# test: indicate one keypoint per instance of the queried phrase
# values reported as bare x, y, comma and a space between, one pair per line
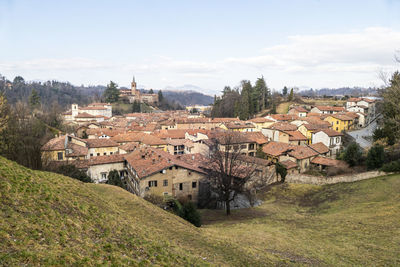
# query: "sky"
207, 43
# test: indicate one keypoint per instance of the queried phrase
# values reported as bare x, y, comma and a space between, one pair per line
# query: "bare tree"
226, 173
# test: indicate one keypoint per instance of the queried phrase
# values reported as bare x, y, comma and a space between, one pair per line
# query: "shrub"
73, 172
281, 170
393, 166
353, 154
155, 199
189, 212
375, 157
114, 179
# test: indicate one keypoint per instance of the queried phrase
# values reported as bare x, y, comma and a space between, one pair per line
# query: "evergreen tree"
160, 96
151, 91
353, 154
291, 95
260, 94
273, 110
391, 110
375, 157
34, 99
136, 106
245, 100
111, 94
284, 91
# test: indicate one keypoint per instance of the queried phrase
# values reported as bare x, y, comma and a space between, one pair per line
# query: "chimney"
192, 157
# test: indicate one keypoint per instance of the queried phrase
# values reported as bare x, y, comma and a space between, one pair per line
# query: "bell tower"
133, 86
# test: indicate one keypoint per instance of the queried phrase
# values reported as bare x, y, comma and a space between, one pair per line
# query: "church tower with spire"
133, 86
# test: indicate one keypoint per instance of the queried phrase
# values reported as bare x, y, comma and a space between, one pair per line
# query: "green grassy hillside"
49, 219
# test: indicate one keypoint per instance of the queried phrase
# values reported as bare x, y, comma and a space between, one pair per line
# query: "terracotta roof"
288, 164
283, 126
131, 146
331, 133
302, 152
105, 131
341, 117
54, 144
77, 150
330, 108
257, 137
260, 120
320, 148
276, 148
328, 161
85, 115
239, 125
315, 127
104, 142
299, 109
106, 159
296, 136
284, 117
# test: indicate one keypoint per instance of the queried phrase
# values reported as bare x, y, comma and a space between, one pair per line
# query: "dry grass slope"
49, 219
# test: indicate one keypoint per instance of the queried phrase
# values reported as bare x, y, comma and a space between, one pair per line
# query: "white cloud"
352, 58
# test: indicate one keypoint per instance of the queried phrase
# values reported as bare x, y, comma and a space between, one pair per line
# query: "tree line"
247, 100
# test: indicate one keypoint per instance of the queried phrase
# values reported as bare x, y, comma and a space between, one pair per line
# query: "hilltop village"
168, 153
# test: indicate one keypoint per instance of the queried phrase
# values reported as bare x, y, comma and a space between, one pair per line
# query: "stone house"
153, 171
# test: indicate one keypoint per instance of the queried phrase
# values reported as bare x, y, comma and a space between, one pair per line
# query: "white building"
93, 112
330, 138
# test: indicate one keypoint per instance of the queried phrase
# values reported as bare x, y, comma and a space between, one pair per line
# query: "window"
243, 146
165, 193
251, 146
105, 153
337, 122
176, 167
181, 186
91, 154
337, 128
111, 153
190, 173
337, 139
194, 184
104, 176
165, 183
153, 183
170, 168
60, 156
98, 154
251, 154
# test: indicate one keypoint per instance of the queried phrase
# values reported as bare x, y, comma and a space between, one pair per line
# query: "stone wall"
320, 180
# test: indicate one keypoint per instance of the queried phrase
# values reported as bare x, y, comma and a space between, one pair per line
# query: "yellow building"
340, 122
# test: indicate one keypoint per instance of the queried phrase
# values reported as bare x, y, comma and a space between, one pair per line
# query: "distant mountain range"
353, 91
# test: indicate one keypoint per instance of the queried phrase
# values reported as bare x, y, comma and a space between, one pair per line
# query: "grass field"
49, 219
283, 107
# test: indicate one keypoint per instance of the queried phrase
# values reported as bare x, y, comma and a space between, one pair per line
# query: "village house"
301, 155
239, 126
152, 171
278, 131
96, 112
261, 122
340, 122
100, 167
327, 109
330, 138
298, 111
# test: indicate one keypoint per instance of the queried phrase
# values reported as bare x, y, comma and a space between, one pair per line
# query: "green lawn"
49, 219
